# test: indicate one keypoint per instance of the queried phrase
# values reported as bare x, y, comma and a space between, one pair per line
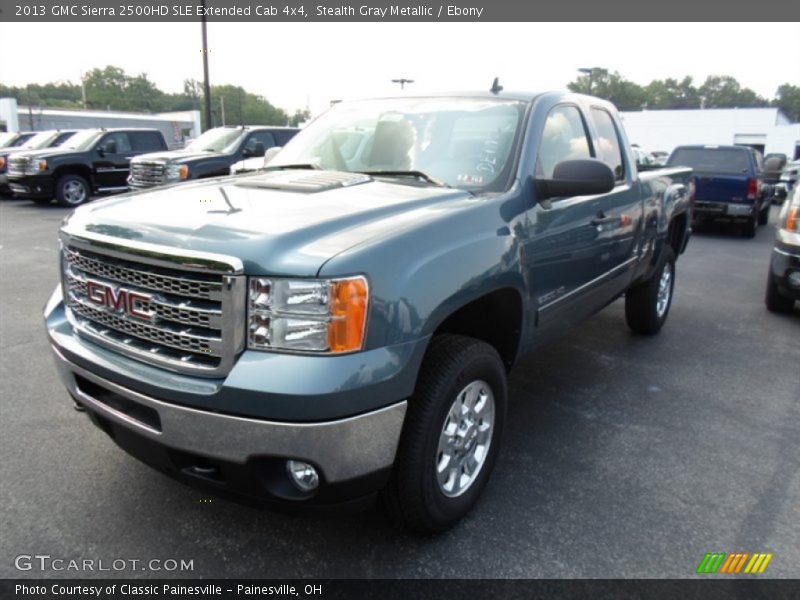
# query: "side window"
263, 137
146, 141
116, 143
609, 150
563, 138
759, 159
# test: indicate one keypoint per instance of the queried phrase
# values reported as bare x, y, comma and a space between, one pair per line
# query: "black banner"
390, 589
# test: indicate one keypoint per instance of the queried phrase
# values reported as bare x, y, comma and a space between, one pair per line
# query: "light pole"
402, 81
206, 84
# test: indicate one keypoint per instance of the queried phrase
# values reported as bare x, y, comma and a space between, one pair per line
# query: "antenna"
496, 87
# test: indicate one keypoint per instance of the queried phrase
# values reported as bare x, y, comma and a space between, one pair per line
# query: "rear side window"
563, 138
711, 160
610, 149
146, 141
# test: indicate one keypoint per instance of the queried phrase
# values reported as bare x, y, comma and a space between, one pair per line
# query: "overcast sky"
295, 64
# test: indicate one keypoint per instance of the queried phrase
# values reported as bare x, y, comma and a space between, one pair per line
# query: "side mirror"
101, 151
257, 150
580, 177
270, 154
780, 191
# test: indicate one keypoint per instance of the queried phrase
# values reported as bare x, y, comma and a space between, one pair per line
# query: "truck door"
619, 216
111, 161
563, 246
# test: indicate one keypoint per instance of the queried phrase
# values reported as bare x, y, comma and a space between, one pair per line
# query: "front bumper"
246, 454
785, 269
32, 186
725, 210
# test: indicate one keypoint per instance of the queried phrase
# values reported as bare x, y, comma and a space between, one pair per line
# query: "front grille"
148, 174
184, 320
17, 166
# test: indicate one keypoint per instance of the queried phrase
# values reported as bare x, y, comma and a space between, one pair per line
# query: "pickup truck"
342, 325
729, 184
43, 139
210, 155
91, 161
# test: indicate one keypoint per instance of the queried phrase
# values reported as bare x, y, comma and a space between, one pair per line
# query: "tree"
626, 95
725, 92
787, 99
299, 117
671, 93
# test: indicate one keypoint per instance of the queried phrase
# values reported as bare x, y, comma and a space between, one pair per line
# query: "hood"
47, 153
276, 227
179, 156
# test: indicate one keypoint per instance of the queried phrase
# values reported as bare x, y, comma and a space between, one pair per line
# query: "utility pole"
83, 90
206, 84
402, 81
222, 108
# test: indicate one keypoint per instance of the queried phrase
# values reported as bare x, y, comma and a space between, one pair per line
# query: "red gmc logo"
119, 300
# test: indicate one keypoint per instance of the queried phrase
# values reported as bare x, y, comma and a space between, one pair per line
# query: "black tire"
749, 228
414, 497
775, 302
643, 311
763, 216
72, 190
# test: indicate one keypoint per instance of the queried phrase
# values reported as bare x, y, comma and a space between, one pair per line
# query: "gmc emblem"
120, 300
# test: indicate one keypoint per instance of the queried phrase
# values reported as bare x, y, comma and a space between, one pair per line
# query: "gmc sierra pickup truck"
91, 161
210, 155
343, 323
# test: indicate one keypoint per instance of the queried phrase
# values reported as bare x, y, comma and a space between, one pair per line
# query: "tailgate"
721, 188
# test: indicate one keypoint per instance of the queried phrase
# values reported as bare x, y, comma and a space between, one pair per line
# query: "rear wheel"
450, 437
763, 216
749, 228
72, 190
775, 302
647, 304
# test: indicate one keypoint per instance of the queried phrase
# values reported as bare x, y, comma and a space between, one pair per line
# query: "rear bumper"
728, 210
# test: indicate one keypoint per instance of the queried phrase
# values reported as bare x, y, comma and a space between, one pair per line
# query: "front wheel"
451, 435
647, 304
72, 190
775, 302
749, 228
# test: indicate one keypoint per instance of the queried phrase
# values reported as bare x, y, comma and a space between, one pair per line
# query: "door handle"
602, 219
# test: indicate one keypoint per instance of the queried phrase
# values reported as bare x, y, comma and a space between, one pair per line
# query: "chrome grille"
147, 174
185, 319
17, 166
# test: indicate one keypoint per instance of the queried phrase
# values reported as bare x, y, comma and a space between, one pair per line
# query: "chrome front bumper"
342, 449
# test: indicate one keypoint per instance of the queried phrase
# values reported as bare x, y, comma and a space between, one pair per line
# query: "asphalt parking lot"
624, 456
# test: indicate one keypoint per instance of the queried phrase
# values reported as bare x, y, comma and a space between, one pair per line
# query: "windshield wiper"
416, 174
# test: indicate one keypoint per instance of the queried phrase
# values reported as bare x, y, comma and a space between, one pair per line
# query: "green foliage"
716, 92
788, 100
110, 88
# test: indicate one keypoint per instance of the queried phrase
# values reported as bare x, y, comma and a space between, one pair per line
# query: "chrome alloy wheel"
74, 192
664, 291
465, 439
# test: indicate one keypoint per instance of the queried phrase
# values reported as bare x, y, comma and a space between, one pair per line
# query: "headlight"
307, 315
177, 172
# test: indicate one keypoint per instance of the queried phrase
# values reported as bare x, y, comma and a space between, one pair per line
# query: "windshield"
711, 160
462, 142
83, 140
5, 138
216, 140
40, 140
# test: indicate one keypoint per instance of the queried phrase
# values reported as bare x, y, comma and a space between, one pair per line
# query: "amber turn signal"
348, 314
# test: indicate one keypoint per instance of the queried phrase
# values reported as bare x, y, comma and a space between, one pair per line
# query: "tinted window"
146, 141
563, 138
759, 161
116, 143
264, 137
24, 137
711, 160
609, 150
284, 136
62, 137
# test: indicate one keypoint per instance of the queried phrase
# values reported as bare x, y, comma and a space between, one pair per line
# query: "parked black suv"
93, 160
210, 155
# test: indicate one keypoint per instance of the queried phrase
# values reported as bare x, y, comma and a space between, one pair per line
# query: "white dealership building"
766, 129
